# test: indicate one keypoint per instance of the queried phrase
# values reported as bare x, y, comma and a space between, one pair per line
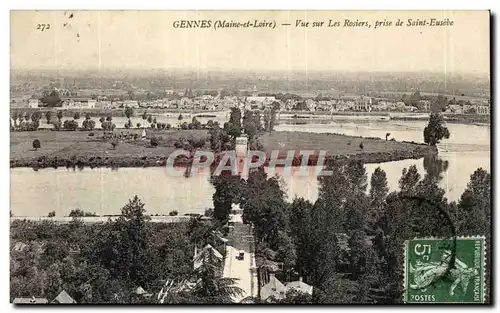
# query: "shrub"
88, 124
209, 212
154, 141
76, 213
70, 125
36, 144
52, 214
173, 213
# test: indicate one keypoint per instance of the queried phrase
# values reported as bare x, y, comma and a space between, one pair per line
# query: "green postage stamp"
444, 270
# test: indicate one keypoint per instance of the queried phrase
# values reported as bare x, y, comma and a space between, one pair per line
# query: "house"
79, 102
141, 292
31, 300
363, 104
299, 286
424, 105
91, 103
131, 104
104, 104
19, 246
455, 108
273, 289
260, 100
311, 105
483, 109
33, 103
63, 298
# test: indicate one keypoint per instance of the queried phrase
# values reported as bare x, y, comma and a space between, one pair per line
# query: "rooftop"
32, 300
64, 298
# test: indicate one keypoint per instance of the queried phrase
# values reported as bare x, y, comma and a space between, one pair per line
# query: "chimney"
300, 278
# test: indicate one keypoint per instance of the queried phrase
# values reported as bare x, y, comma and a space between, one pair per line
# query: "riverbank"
76, 149
99, 219
449, 118
118, 112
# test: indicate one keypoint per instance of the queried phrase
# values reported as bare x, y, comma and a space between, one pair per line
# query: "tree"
179, 118
51, 99
233, 127
210, 286
228, 190
473, 215
70, 124
154, 142
267, 118
114, 142
144, 115
76, 116
88, 123
435, 130
129, 112
48, 116
474, 208
249, 124
59, 115
57, 125
378, 193
134, 234
409, 179
387, 136
36, 144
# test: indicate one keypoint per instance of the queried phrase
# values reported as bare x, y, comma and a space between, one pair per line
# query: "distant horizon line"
194, 70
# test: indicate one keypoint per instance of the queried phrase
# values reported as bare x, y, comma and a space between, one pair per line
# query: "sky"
108, 40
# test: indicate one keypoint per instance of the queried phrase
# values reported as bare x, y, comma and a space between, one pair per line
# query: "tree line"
348, 243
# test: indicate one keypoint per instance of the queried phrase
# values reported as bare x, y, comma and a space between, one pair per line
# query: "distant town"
252, 99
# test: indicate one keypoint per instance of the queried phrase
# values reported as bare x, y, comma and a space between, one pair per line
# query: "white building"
300, 286
483, 109
131, 104
91, 103
274, 288
33, 103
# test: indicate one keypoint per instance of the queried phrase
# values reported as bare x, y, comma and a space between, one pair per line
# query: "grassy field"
70, 144
333, 144
65, 144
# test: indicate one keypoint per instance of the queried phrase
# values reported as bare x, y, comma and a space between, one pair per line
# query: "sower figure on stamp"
427, 273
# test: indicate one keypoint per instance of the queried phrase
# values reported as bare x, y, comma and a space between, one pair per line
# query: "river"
105, 191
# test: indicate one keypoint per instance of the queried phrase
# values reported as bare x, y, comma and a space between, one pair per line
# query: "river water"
105, 191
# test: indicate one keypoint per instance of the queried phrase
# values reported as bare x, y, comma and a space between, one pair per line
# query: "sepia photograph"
250, 157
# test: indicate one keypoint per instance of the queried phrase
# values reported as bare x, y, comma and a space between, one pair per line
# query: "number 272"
42, 27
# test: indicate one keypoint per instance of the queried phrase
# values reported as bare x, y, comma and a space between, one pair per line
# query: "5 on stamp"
444, 270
